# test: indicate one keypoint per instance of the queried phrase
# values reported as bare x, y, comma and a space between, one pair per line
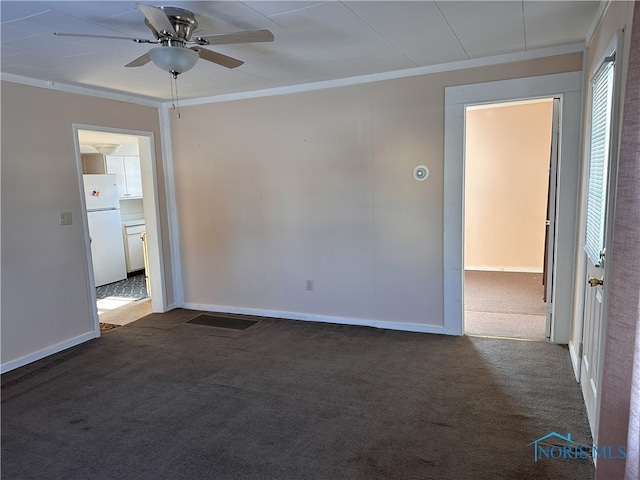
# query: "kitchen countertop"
131, 222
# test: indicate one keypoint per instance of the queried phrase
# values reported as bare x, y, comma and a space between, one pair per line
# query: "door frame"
567, 87
148, 170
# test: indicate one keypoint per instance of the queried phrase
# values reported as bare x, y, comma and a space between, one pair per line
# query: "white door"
593, 343
600, 188
550, 243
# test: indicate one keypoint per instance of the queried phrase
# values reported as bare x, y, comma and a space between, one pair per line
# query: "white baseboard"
171, 306
45, 352
491, 268
307, 317
408, 327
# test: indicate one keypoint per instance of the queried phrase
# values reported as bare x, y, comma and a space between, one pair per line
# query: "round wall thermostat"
421, 173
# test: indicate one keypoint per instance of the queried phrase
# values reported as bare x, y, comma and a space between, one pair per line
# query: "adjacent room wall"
45, 296
272, 192
506, 184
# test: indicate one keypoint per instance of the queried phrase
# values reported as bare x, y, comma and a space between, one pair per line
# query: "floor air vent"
223, 322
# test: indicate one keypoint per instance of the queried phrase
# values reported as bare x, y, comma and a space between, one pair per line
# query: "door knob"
594, 282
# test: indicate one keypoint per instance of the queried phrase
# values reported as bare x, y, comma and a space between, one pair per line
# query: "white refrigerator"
105, 228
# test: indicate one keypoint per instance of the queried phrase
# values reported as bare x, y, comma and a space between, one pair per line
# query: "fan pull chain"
175, 82
175, 105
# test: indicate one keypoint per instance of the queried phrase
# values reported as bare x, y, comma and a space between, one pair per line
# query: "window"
601, 103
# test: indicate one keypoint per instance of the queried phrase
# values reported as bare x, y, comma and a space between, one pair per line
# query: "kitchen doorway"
508, 173
118, 180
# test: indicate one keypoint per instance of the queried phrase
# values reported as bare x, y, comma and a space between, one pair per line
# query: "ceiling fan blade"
218, 58
158, 19
249, 36
138, 62
82, 35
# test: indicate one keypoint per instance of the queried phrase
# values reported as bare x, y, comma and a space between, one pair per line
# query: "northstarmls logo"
555, 446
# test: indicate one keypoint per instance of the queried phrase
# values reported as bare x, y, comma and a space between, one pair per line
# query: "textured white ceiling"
314, 41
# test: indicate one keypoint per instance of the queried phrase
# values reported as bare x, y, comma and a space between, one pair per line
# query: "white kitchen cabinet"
128, 175
133, 176
134, 247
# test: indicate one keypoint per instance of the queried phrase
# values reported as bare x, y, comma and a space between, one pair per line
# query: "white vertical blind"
601, 101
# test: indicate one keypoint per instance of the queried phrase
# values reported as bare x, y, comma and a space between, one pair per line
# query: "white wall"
318, 185
506, 183
275, 191
45, 296
260, 212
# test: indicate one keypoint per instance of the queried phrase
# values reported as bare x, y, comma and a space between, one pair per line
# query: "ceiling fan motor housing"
184, 23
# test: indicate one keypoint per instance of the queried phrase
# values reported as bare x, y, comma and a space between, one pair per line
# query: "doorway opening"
567, 87
509, 201
117, 204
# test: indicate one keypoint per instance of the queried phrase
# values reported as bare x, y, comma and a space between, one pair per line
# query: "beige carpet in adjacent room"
504, 304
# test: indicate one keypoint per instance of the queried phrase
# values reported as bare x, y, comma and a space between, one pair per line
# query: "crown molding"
376, 77
307, 87
91, 92
597, 19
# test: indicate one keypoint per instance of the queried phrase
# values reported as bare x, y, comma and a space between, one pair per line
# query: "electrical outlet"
310, 285
66, 218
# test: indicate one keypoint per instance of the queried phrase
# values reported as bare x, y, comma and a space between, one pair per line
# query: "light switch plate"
66, 218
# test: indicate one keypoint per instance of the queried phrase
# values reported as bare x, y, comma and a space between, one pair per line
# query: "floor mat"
223, 322
107, 326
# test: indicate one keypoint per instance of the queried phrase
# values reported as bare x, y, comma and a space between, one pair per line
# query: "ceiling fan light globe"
173, 59
107, 148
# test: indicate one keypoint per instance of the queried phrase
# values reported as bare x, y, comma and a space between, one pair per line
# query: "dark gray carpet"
161, 398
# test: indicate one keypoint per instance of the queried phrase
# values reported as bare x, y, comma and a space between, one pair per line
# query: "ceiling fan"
178, 52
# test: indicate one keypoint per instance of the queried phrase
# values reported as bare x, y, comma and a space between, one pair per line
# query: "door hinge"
580, 350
